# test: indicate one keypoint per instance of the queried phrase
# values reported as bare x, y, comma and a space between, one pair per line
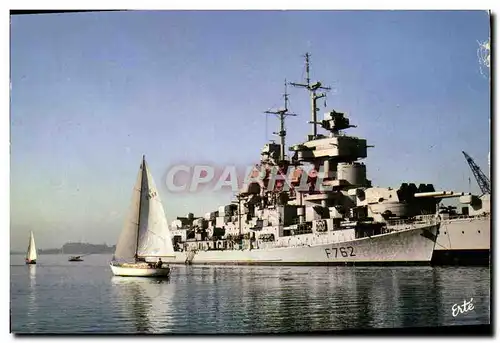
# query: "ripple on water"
65, 298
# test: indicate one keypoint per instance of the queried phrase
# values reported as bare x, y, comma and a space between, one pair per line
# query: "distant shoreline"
75, 249
58, 253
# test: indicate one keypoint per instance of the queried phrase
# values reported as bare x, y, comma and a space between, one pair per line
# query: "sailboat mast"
143, 167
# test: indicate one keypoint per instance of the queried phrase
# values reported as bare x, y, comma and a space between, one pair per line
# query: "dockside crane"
482, 180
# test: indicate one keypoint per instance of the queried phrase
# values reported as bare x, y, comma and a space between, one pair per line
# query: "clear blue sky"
92, 92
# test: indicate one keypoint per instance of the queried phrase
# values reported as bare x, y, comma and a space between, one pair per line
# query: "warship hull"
463, 241
406, 247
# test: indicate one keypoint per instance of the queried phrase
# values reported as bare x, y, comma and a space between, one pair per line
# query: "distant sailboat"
145, 238
31, 253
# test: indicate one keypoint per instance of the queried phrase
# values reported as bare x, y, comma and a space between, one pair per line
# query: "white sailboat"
31, 253
145, 238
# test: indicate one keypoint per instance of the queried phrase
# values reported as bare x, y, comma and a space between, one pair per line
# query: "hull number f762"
339, 252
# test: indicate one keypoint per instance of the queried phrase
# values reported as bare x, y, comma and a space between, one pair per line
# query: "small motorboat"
75, 259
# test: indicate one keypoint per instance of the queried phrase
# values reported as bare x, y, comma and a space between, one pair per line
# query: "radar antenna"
312, 88
282, 114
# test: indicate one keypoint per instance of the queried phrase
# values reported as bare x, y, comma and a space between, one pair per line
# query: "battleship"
327, 215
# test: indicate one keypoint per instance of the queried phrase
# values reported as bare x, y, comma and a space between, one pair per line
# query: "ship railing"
418, 220
461, 216
427, 218
399, 222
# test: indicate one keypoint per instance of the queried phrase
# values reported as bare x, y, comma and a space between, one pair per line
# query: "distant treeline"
77, 248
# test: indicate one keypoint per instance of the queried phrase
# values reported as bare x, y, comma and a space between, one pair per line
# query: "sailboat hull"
139, 270
31, 262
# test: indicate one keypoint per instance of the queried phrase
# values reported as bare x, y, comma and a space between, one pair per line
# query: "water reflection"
459, 284
32, 310
147, 302
251, 300
59, 298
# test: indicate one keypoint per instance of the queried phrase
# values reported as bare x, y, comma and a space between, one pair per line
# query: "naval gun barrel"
441, 194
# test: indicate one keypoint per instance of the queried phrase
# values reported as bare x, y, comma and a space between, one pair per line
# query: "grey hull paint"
464, 234
406, 247
464, 241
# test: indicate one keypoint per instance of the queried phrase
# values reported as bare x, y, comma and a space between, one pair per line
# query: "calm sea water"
56, 296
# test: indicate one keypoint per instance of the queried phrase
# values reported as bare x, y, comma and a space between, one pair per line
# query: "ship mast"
282, 114
312, 88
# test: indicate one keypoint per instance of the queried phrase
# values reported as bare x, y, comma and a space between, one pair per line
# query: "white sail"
127, 242
154, 234
31, 253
